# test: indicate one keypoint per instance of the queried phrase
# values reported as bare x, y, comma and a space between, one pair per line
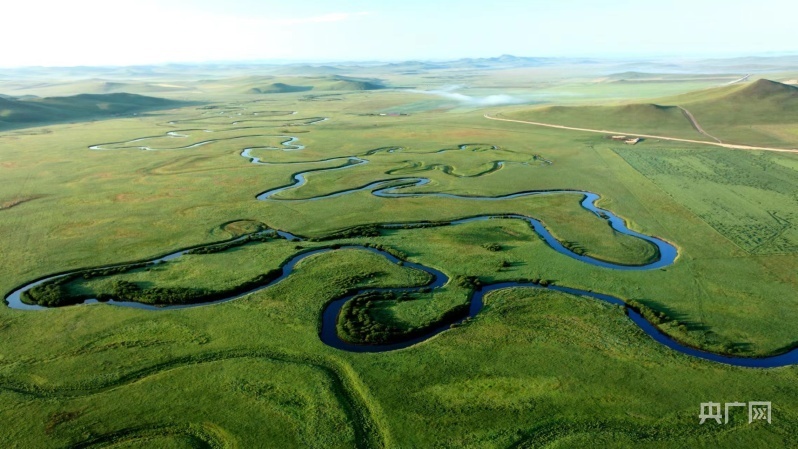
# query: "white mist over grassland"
450, 92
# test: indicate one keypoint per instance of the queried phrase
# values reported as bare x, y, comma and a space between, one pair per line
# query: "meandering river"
396, 188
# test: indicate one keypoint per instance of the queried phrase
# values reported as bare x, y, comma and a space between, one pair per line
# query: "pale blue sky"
127, 32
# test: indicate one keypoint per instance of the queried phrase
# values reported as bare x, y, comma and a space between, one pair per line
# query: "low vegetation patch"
55, 293
356, 323
494, 247
357, 231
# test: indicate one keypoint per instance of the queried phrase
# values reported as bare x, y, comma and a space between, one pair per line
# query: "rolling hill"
631, 118
61, 88
762, 101
762, 112
278, 88
320, 83
353, 84
308, 69
20, 113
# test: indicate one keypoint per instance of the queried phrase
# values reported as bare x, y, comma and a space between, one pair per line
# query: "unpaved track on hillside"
745, 78
695, 124
674, 139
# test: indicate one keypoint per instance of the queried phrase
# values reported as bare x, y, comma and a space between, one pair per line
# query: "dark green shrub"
469, 282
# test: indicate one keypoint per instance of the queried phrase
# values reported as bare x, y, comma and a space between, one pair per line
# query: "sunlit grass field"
533, 369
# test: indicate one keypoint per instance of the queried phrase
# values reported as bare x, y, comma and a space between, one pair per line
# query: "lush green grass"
534, 368
600, 92
747, 113
554, 387
763, 112
747, 197
106, 196
633, 118
229, 269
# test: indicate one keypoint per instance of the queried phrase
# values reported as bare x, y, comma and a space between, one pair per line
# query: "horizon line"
321, 61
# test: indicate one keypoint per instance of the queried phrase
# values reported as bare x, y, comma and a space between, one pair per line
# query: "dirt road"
648, 136
695, 124
745, 78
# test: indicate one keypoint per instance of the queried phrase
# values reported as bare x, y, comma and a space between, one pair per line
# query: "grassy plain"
533, 369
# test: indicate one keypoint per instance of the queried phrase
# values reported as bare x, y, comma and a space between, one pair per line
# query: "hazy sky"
126, 32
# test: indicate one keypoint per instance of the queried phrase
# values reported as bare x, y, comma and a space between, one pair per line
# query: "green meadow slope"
305, 83
760, 113
763, 112
349, 84
19, 113
278, 88
50, 87
629, 118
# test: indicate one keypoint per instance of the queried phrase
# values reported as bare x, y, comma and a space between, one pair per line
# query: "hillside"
351, 84
61, 88
763, 112
647, 77
763, 92
278, 88
630, 118
307, 69
317, 83
19, 113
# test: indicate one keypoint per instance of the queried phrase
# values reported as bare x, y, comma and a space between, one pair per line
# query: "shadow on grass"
671, 315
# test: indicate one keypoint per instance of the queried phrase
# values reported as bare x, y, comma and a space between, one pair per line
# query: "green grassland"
20, 113
749, 199
533, 369
762, 112
633, 118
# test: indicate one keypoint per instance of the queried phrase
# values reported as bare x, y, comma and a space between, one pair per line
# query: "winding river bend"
393, 188
329, 335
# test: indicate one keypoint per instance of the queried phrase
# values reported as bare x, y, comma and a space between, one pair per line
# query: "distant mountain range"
217, 70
